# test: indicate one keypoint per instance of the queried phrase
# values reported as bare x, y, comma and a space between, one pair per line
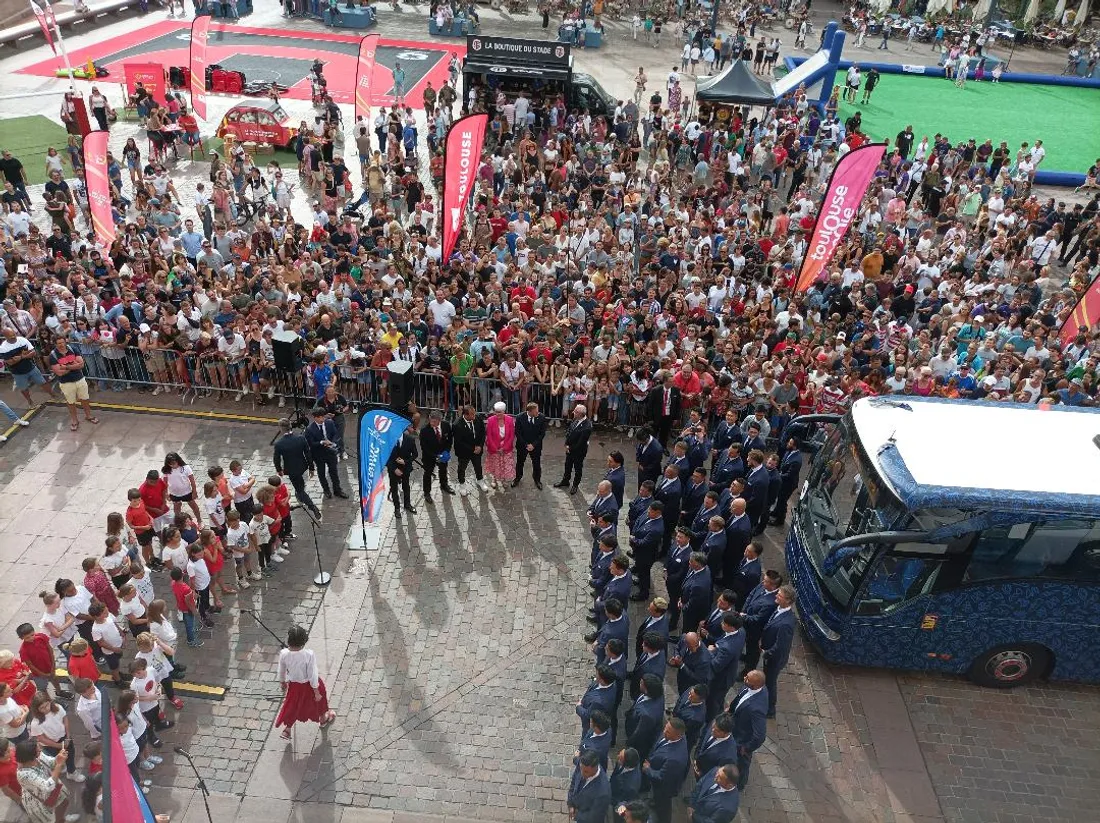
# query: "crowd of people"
635, 271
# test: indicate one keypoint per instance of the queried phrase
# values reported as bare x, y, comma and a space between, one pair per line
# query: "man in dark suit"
399, 466
757, 609
640, 504
750, 724
530, 432
726, 432
711, 629
691, 660
753, 441
646, 714
691, 708
645, 539
665, 769
717, 747
698, 446
469, 443
607, 546
576, 449
598, 697
663, 407
603, 502
668, 492
649, 454
725, 658
589, 795
617, 588
700, 524
294, 458
679, 459
616, 476
758, 481
652, 660
597, 739
748, 573
436, 439
716, 798
790, 467
626, 778
614, 657
775, 642
730, 466
676, 569
692, 495
656, 622
738, 536
322, 437
614, 622
714, 547
695, 593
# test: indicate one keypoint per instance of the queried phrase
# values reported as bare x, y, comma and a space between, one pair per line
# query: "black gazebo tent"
735, 85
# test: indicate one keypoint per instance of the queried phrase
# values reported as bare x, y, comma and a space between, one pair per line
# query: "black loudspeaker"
287, 347
401, 383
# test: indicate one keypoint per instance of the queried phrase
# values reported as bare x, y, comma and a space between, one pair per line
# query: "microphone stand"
202, 783
322, 578
263, 625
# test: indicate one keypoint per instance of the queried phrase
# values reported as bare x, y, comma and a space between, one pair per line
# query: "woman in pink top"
500, 447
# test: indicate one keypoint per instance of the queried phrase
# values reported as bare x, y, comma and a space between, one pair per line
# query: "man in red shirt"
523, 294
498, 224
687, 381
37, 653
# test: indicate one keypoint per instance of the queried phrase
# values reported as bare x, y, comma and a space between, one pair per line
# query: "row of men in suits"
676, 744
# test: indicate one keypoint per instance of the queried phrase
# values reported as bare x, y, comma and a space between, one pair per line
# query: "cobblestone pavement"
453, 656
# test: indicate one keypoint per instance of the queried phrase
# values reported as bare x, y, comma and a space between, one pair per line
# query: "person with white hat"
500, 447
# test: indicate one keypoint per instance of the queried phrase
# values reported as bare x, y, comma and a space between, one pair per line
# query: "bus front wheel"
1004, 667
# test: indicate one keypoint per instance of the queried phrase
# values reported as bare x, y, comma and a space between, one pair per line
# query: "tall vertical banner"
122, 800
99, 186
847, 185
462, 155
1084, 316
379, 432
364, 74
46, 21
200, 33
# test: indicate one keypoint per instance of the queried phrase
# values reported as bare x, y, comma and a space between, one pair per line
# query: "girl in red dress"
305, 699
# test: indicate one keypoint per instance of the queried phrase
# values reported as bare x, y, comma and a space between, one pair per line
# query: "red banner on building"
46, 21
99, 186
462, 156
1084, 316
364, 74
200, 32
151, 77
848, 184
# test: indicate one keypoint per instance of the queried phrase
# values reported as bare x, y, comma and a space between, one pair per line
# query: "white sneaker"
147, 765
22, 422
77, 777
240, 395
278, 558
481, 484
157, 391
155, 759
255, 576
462, 488
3, 438
282, 402
73, 818
283, 552
244, 584
270, 392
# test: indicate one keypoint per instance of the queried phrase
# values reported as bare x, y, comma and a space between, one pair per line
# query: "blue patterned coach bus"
952, 536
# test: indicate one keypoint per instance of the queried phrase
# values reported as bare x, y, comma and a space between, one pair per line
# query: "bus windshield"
844, 497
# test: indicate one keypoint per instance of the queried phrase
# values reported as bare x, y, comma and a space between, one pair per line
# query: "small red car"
263, 121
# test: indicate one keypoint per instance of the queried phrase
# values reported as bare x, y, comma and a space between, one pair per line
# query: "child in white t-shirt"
215, 511
143, 582
237, 541
131, 609
260, 530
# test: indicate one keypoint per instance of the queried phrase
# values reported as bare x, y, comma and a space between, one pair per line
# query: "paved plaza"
453, 657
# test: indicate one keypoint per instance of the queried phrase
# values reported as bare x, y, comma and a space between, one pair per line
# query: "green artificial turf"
27, 138
1066, 119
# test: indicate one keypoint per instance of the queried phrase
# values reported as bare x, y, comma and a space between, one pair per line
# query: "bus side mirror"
869, 607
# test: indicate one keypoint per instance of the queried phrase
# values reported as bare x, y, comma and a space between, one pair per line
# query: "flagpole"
61, 44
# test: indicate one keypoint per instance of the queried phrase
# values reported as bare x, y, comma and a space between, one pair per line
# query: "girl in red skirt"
305, 699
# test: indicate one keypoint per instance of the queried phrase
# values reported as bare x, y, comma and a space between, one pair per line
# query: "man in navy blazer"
530, 433
589, 795
676, 569
656, 622
640, 504
725, 658
692, 661
667, 491
716, 797
646, 535
700, 524
603, 503
598, 697
626, 778
790, 467
603, 526
652, 660
729, 467
649, 454
717, 747
665, 769
616, 623
775, 641
615, 658
726, 432
757, 609
646, 714
617, 588
616, 476
693, 491
758, 481
711, 629
748, 573
714, 546
608, 547
752, 441
696, 592
738, 535
750, 724
597, 739
698, 446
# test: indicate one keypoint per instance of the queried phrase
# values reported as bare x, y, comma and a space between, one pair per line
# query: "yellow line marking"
14, 427
192, 689
245, 418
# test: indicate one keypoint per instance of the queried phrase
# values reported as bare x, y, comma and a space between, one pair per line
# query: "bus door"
893, 618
